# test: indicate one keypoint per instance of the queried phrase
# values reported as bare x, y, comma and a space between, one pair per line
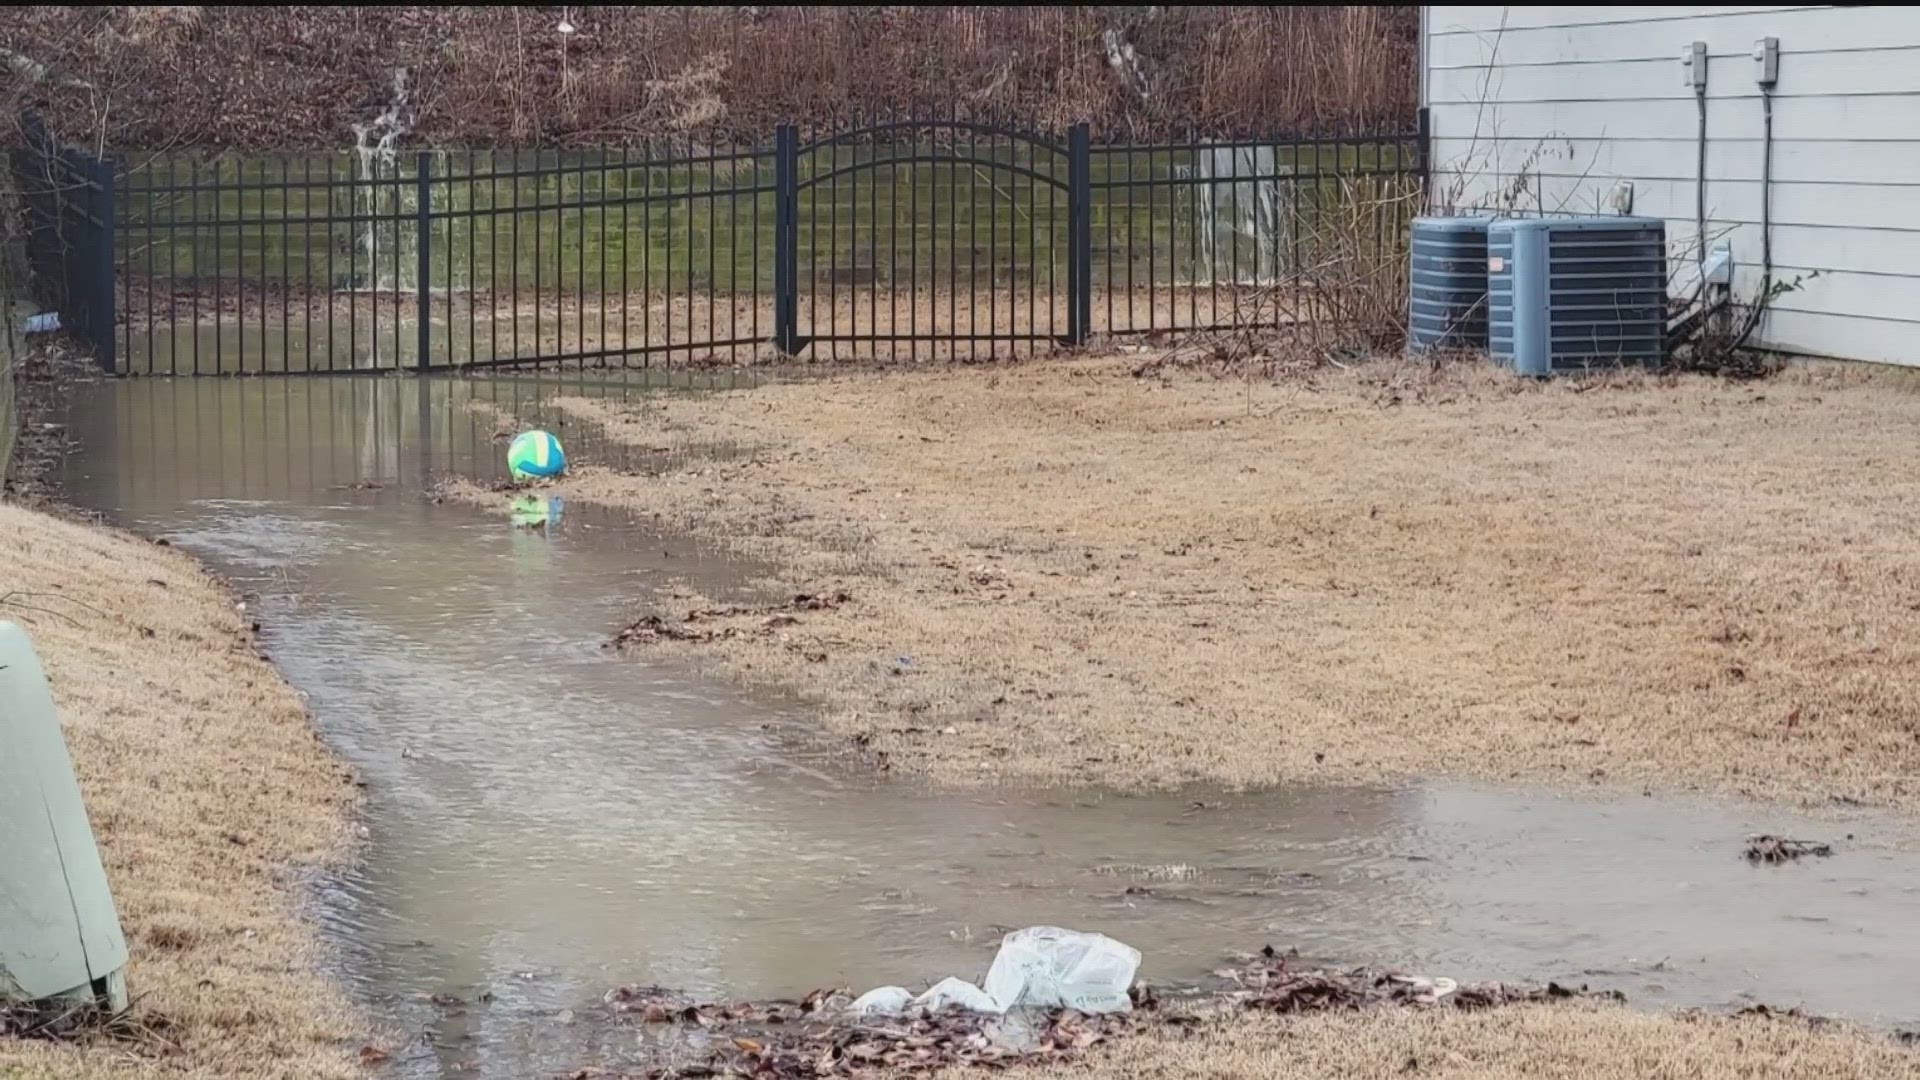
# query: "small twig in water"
1766, 848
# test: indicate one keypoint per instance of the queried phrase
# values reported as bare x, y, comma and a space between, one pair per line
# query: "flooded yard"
546, 820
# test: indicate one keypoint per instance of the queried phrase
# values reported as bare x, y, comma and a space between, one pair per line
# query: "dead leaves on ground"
659, 1005
817, 1038
1277, 982
930, 1042
82, 1021
703, 625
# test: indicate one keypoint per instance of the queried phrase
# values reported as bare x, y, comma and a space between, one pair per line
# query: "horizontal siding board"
1858, 206
1878, 117
1892, 71
1795, 161
1869, 296
1817, 333
1453, 42
1862, 251
1516, 17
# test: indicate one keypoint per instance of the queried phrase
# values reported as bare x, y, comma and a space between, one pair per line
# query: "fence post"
423, 245
786, 239
102, 325
1079, 234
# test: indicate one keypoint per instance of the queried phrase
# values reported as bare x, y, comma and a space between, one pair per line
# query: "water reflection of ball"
535, 453
537, 511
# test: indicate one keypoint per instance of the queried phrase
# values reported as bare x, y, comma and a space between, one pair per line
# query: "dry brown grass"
1339, 576
210, 795
1522, 1042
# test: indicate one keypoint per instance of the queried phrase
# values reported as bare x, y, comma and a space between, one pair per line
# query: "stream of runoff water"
546, 820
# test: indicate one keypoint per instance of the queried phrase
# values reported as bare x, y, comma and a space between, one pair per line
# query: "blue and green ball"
535, 455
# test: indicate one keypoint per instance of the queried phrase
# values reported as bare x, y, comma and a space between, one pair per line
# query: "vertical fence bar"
453, 259
646, 254
306, 260
873, 244
953, 240
219, 260
691, 198
893, 246
399, 201
102, 321
713, 247
149, 218
423, 261
261, 186
286, 270
539, 263
667, 208
913, 232
833, 242
1079, 233
1153, 242
580, 264
334, 283
813, 247
973, 238
753, 297
786, 239
472, 187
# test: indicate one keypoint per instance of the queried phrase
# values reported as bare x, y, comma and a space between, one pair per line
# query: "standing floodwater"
546, 820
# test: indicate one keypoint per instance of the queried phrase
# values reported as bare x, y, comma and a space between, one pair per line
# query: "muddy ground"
1102, 572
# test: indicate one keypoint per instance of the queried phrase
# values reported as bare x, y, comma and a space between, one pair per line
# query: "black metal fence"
894, 240
67, 196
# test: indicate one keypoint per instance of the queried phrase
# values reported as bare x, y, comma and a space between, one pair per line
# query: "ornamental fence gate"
905, 239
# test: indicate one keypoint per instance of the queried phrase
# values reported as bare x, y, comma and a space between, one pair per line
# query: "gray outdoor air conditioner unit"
1576, 293
1447, 281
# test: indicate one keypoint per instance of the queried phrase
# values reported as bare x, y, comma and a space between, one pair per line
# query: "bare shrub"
1347, 296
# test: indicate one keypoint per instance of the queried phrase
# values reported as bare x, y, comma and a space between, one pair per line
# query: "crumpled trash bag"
1426, 991
1041, 967
948, 993
952, 993
882, 1001
1048, 968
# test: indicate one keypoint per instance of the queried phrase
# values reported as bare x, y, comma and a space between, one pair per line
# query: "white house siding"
1548, 108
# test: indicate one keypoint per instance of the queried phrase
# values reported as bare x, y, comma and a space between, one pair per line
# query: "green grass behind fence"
596, 222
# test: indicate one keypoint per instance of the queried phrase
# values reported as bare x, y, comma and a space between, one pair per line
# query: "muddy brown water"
546, 821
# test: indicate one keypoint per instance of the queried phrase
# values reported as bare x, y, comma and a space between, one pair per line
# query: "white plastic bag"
1041, 967
882, 1001
952, 993
1046, 967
